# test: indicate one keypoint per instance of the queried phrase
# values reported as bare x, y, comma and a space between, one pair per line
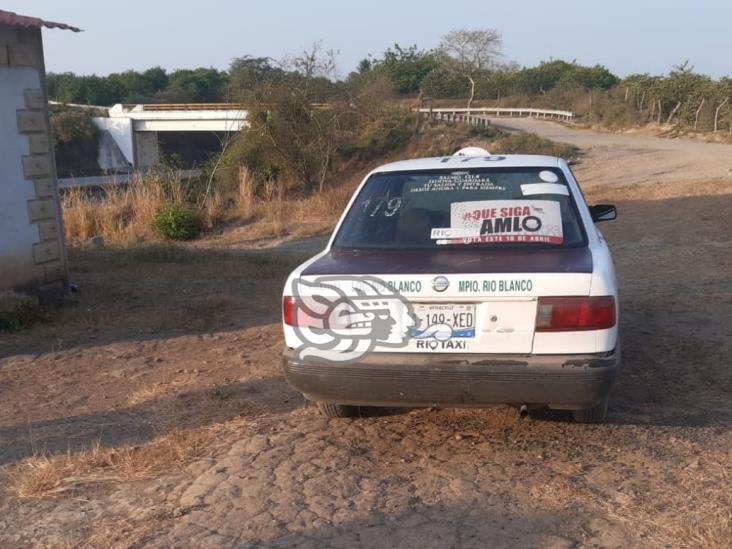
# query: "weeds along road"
155, 413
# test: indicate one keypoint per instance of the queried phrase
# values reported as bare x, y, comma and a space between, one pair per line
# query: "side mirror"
603, 212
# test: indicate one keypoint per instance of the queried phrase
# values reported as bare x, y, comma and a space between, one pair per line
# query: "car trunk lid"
482, 301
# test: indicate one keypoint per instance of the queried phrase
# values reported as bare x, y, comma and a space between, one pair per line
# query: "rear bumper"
457, 380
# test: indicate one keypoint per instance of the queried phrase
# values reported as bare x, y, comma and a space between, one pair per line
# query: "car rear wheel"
330, 409
596, 414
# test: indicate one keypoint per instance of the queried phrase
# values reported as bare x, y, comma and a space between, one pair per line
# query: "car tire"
596, 414
329, 409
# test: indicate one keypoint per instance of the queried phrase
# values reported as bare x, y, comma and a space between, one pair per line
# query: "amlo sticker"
502, 221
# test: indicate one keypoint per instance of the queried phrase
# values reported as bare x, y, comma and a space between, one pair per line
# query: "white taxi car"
468, 280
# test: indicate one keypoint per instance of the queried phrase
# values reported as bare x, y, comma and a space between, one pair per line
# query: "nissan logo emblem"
440, 283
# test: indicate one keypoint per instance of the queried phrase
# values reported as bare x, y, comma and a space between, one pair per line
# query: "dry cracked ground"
154, 412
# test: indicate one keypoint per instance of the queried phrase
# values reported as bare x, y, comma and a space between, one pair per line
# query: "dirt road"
622, 159
155, 412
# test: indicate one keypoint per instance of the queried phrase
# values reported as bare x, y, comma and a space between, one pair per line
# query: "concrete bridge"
130, 133
129, 136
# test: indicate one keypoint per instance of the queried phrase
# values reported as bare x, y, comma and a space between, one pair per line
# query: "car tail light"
288, 310
571, 314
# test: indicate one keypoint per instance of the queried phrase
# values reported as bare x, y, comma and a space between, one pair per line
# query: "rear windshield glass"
463, 208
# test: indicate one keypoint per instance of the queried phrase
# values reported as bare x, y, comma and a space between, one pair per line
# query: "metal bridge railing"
479, 116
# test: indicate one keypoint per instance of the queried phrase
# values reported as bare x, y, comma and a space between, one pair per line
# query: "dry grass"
284, 211
687, 516
124, 215
299, 216
677, 519
147, 393
44, 476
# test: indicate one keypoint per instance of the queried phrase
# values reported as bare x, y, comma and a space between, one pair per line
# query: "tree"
64, 87
590, 78
641, 87
314, 73
363, 74
314, 63
469, 53
135, 87
406, 67
444, 83
722, 95
202, 84
680, 87
292, 135
246, 73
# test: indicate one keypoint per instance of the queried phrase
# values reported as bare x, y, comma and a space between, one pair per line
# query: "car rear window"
494, 207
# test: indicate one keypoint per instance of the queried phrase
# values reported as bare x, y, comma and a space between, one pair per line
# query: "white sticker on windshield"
456, 181
451, 232
544, 188
547, 176
503, 221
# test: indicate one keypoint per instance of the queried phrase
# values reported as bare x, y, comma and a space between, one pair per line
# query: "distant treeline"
682, 97
153, 85
410, 70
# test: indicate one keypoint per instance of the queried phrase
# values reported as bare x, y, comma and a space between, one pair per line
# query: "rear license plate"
457, 318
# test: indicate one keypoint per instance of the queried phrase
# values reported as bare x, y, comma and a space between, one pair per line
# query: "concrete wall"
121, 130
146, 150
32, 253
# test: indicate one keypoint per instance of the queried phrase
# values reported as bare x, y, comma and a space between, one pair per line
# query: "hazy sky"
625, 35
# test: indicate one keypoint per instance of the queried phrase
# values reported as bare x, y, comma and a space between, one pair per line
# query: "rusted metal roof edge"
10, 18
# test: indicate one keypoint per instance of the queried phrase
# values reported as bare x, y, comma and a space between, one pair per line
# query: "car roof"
452, 162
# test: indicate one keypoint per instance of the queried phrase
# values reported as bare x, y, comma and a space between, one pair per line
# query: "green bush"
441, 83
18, 311
406, 67
176, 223
384, 135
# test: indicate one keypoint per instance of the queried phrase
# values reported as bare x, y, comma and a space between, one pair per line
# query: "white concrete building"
32, 253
